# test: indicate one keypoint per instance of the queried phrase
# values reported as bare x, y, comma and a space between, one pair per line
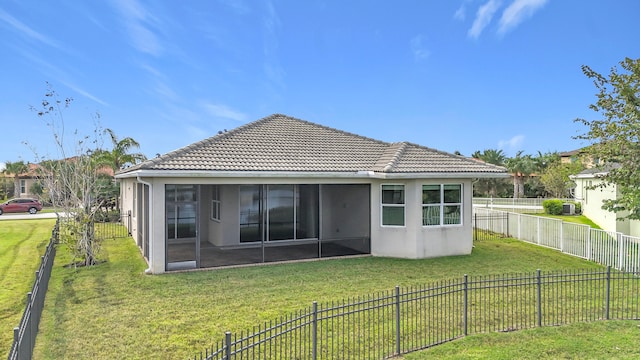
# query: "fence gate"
485, 226
114, 228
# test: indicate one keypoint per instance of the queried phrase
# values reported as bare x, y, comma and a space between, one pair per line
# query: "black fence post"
227, 345
608, 294
475, 227
314, 332
397, 297
466, 305
539, 297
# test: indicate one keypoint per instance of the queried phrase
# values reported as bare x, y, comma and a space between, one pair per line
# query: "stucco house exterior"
591, 197
282, 188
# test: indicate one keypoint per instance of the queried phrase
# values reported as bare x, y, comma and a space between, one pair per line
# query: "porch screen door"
182, 240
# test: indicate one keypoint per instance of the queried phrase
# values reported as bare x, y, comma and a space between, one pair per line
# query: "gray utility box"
568, 209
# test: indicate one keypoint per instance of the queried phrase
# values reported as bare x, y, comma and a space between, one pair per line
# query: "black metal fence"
483, 222
114, 227
409, 319
24, 335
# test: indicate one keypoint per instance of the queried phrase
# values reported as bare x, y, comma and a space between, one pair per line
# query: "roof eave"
307, 174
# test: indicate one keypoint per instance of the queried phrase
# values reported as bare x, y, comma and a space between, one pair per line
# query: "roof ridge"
330, 128
401, 147
461, 157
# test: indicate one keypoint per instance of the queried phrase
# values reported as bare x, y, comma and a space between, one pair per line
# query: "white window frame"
216, 204
442, 204
402, 205
23, 186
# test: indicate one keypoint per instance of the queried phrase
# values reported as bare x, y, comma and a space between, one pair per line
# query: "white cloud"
26, 30
223, 111
419, 50
460, 14
483, 17
138, 21
2, 166
84, 93
512, 144
518, 11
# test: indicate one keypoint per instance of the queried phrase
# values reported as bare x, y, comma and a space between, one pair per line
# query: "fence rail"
409, 319
622, 252
528, 205
24, 335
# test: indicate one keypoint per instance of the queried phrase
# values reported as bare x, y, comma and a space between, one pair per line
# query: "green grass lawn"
598, 340
577, 219
114, 310
21, 245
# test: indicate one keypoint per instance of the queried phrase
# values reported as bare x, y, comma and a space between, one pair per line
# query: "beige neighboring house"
281, 188
568, 157
592, 199
26, 180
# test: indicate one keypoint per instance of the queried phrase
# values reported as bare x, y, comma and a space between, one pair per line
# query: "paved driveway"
26, 216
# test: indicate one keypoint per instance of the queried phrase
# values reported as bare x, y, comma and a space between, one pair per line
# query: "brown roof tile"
283, 143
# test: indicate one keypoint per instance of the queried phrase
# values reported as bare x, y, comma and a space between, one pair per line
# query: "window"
215, 203
393, 205
23, 186
441, 204
278, 212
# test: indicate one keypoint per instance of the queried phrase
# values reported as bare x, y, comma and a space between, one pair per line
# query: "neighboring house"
568, 157
592, 199
281, 188
25, 181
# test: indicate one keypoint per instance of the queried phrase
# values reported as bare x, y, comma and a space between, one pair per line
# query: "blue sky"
459, 75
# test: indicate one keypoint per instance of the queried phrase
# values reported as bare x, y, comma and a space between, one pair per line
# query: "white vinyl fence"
605, 247
527, 205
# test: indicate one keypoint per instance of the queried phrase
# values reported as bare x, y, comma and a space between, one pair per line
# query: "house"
281, 188
25, 182
591, 194
568, 157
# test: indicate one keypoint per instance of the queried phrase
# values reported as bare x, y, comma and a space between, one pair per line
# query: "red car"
31, 206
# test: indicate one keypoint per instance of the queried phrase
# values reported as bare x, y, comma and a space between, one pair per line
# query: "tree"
116, 159
16, 169
533, 186
615, 137
120, 155
520, 166
556, 179
72, 180
543, 161
490, 187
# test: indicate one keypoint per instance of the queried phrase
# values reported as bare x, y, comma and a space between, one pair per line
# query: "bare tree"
72, 179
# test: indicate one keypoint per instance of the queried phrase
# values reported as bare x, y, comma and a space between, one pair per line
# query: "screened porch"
227, 225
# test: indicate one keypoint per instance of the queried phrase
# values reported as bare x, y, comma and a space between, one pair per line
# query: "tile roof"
282, 143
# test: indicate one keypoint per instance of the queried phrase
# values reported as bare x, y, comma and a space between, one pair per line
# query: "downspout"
147, 270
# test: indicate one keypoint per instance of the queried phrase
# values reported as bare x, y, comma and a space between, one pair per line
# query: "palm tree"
521, 166
490, 187
120, 155
16, 169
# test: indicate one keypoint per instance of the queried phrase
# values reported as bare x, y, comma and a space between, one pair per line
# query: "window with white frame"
215, 202
393, 205
23, 186
441, 204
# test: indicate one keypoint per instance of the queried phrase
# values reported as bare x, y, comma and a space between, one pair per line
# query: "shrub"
578, 207
552, 206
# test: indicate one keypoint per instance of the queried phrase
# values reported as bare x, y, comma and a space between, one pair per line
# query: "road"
26, 216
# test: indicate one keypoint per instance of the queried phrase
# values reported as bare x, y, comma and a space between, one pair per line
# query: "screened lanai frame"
286, 225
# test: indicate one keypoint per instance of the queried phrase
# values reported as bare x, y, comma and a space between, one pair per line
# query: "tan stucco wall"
411, 241
415, 241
